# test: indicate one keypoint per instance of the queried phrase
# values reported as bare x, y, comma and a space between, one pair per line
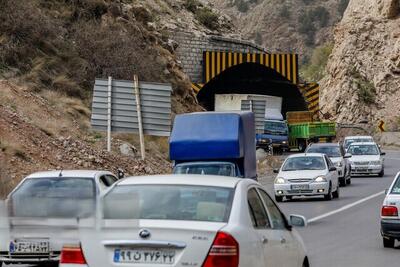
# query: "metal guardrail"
155, 102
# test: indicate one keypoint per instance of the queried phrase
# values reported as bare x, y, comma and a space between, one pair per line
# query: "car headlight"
377, 162
320, 179
284, 142
339, 164
279, 180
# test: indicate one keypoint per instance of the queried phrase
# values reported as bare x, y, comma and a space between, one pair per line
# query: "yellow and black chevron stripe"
215, 62
310, 92
196, 87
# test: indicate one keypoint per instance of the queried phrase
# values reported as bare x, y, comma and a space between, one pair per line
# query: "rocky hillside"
363, 80
288, 25
50, 53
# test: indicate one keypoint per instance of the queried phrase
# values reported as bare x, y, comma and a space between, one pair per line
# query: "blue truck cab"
214, 143
275, 131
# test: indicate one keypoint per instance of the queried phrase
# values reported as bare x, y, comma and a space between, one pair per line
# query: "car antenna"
60, 175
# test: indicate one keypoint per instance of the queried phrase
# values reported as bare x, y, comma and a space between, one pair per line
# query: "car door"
333, 175
289, 250
269, 240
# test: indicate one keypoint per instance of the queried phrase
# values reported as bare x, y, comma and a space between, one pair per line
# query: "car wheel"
301, 146
336, 193
388, 242
305, 263
329, 195
342, 182
382, 173
278, 198
348, 181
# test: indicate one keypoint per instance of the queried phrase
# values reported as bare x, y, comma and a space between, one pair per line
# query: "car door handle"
264, 240
283, 240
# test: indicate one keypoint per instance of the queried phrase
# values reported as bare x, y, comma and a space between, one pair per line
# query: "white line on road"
344, 207
392, 158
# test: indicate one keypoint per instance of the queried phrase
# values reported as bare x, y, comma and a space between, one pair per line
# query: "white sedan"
307, 174
367, 159
189, 220
390, 219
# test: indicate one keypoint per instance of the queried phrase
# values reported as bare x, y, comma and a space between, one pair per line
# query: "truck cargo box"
312, 129
299, 117
207, 136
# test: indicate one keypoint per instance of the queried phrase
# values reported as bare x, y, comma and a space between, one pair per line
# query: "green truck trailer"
304, 130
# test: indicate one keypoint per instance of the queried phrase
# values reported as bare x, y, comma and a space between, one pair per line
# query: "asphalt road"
351, 236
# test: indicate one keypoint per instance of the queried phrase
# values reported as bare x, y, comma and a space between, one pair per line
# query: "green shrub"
207, 17
307, 28
314, 70
365, 89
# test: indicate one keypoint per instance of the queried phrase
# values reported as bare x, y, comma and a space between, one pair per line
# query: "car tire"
336, 194
329, 196
382, 173
278, 198
348, 181
306, 263
342, 182
388, 242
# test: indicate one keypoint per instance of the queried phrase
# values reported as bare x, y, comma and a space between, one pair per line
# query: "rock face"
363, 80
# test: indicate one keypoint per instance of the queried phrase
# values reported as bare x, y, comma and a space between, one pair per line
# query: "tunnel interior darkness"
252, 78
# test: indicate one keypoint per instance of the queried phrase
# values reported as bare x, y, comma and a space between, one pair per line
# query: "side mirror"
297, 220
347, 156
276, 170
332, 169
386, 191
120, 174
383, 153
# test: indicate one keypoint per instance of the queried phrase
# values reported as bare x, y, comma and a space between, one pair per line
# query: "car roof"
358, 137
362, 143
183, 179
68, 173
306, 155
325, 144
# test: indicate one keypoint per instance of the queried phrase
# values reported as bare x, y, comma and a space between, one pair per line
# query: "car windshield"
363, 150
330, 151
169, 202
54, 198
348, 142
304, 163
275, 127
396, 187
224, 169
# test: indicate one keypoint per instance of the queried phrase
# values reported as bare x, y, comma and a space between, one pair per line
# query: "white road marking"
393, 158
345, 207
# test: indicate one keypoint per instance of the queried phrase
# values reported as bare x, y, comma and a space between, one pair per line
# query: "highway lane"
350, 237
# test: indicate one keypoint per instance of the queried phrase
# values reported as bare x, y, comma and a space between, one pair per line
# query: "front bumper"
313, 189
366, 170
390, 228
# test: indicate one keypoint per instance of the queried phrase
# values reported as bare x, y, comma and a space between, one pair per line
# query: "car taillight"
224, 252
72, 255
389, 211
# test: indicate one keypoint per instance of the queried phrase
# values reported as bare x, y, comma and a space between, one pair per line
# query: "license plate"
29, 247
151, 256
362, 169
300, 186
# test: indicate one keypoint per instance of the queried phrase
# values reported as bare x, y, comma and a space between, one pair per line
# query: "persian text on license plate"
300, 186
154, 256
29, 246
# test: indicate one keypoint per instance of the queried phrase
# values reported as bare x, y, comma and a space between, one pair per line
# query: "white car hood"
363, 158
301, 174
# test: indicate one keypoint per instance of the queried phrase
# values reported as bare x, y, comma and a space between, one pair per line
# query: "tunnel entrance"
253, 78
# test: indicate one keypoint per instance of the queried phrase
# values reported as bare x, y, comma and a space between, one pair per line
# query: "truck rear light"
224, 252
72, 254
389, 211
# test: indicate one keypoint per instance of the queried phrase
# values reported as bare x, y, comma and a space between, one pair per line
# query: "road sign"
381, 126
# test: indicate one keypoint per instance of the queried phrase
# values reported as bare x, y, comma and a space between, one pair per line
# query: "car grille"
302, 180
302, 191
361, 162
